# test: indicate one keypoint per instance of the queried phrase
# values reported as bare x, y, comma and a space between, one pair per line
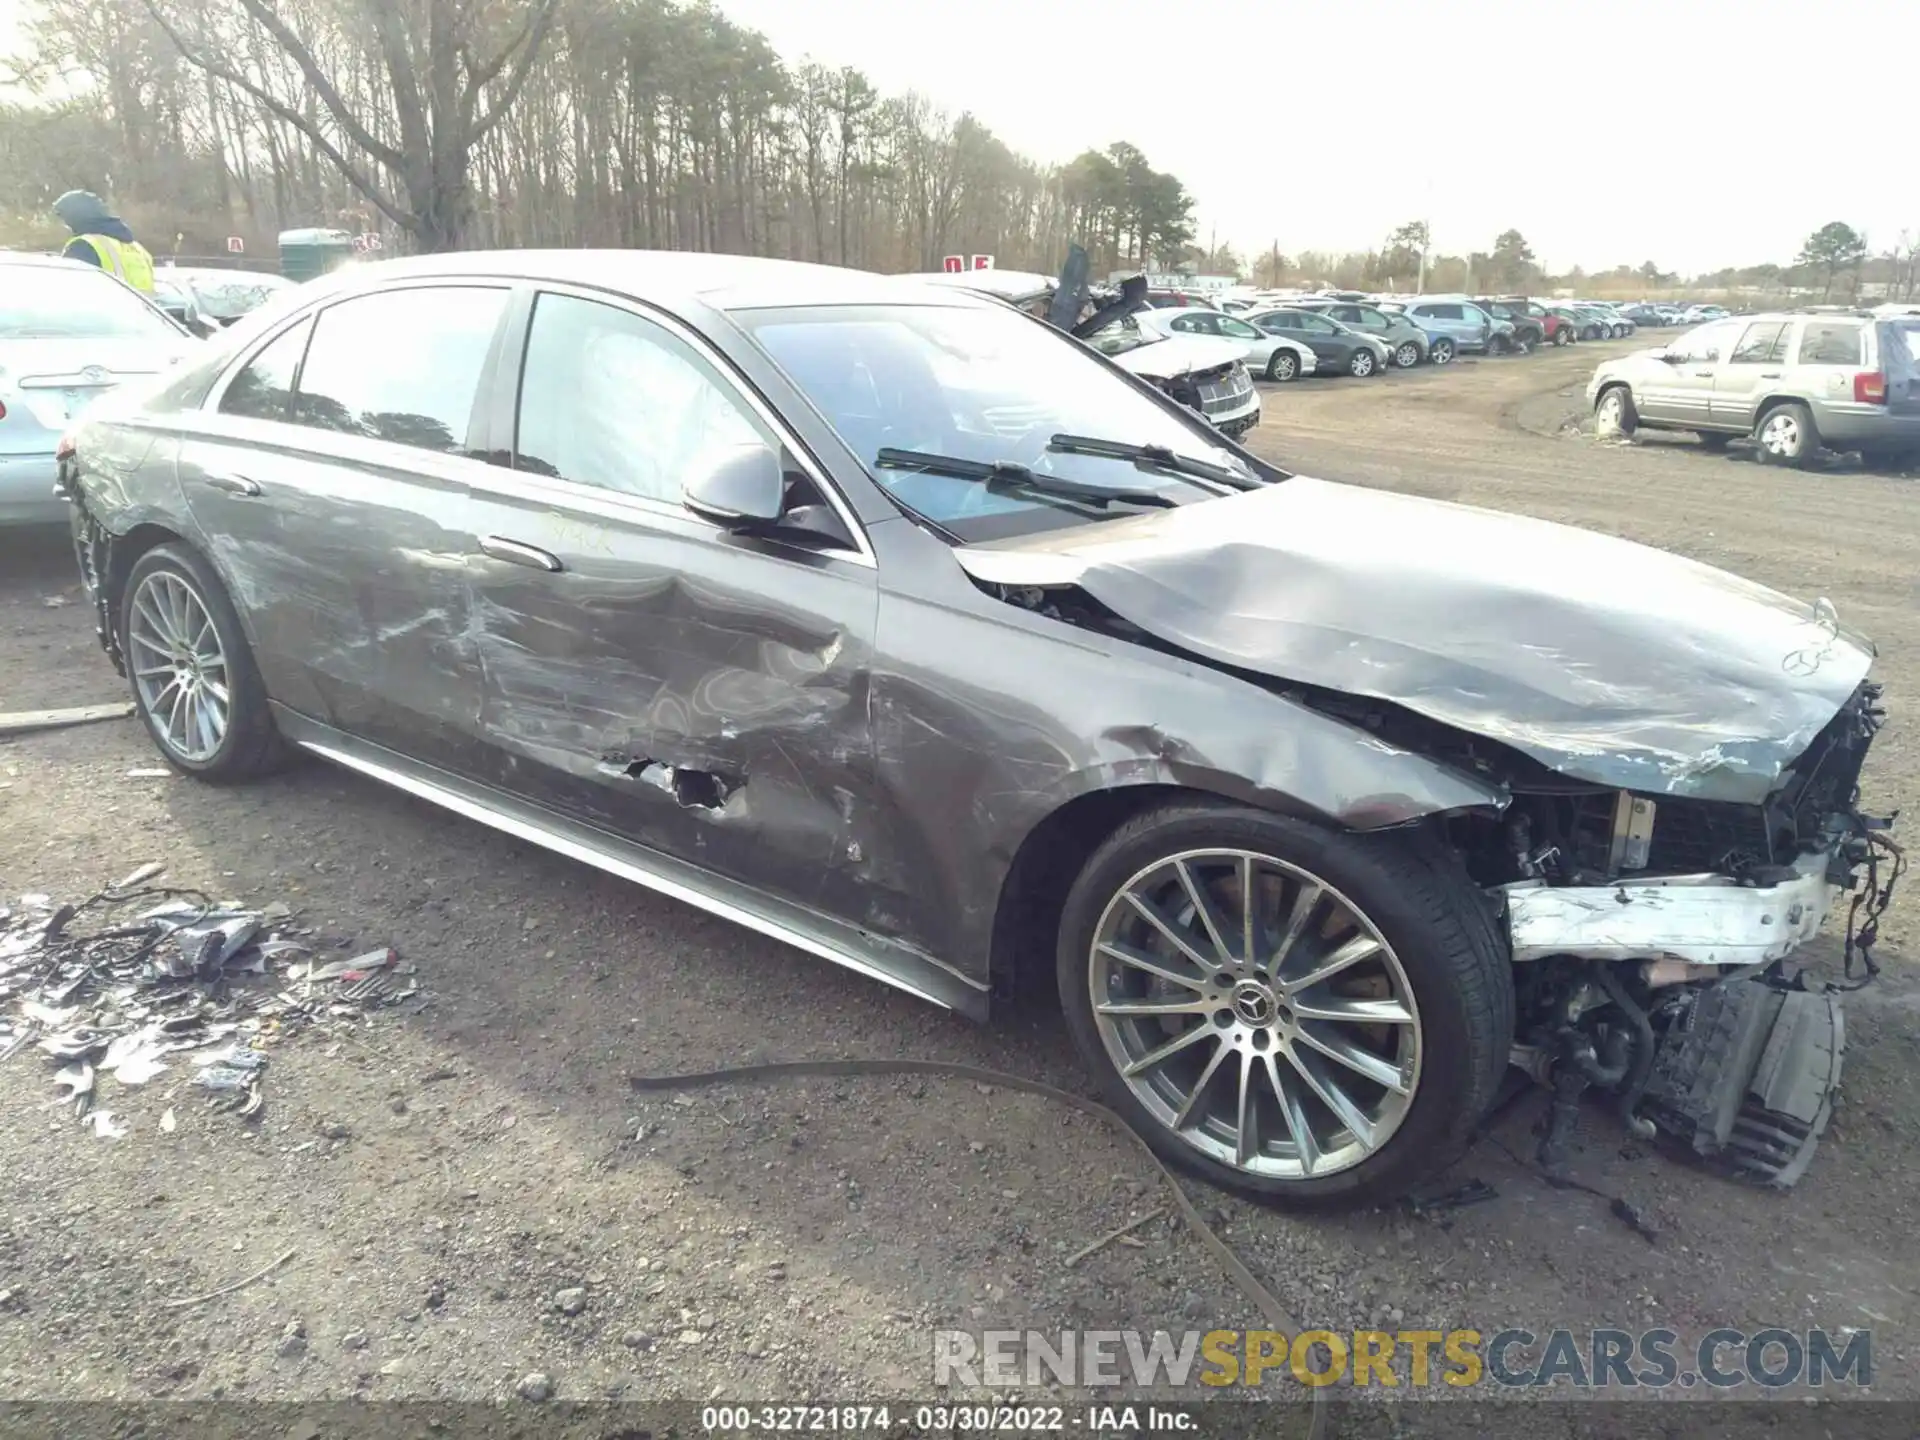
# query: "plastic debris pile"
108, 992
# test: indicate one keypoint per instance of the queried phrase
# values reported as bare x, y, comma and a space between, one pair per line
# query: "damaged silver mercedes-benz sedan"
891, 622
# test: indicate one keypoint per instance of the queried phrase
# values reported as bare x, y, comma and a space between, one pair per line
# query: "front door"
691, 690
1679, 388
331, 487
1758, 359
1329, 347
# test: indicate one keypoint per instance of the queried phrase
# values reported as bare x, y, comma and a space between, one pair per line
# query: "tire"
1785, 435
1563, 336
172, 594
1498, 345
1283, 365
1442, 352
1614, 417
1435, 969
1715, 440
1360, 363
1407, 355
1593, 332
1531, 340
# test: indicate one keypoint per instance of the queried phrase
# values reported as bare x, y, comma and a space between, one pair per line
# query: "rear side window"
1765, 343
264, 390
1446, 312
611, 400
402, 366
1826, 342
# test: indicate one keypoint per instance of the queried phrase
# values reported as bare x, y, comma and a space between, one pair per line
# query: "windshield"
980, 384
74, 302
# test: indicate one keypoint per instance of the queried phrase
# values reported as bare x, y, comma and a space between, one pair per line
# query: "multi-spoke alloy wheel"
1255, 1012
193, 676
179, 668
1289, 1009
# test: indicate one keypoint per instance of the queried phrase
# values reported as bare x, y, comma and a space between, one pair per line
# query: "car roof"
33, 257
726, 282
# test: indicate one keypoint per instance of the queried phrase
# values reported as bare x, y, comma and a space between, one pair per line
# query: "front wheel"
1360, 363
1786, 435
1407, 356
1287, 1010
1614, 417
1562, 336
1442, 352
195, 685
1283, 365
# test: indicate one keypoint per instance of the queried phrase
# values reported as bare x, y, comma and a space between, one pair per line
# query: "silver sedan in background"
68, 334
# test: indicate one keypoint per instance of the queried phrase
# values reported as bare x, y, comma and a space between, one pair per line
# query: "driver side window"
612, 400
1706, 346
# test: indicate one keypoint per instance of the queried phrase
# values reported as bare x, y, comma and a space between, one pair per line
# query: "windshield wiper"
1157, 456
1004, 472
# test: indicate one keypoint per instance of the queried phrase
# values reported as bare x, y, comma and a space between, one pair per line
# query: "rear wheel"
1290, 1011
195, 685
1283, 365
1442, 352
1407, 356
1360, 363
1786, 435
1614, 417
1563, 336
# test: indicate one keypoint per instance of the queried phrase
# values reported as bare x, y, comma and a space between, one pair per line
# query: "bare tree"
439, 61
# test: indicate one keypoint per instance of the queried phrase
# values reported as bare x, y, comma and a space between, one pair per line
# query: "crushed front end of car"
1677, 753
1653, 937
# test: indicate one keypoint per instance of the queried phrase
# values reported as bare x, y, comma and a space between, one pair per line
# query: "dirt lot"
442, 1172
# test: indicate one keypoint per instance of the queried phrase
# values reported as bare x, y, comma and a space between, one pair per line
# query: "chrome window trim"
519, 484
862, 554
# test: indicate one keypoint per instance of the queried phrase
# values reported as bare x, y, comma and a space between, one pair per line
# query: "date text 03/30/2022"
946, 1419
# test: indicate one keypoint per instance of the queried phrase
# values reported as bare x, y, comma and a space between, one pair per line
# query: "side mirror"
740, 487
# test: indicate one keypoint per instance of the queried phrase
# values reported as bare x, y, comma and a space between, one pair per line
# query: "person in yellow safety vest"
102, 238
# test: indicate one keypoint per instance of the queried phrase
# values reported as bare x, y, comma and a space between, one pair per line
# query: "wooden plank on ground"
21, 722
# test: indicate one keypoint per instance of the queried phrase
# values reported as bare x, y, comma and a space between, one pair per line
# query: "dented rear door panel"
349, 565
695, 692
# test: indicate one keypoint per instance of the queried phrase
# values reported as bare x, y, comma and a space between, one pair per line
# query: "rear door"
695, 691
1756, 361
330, 482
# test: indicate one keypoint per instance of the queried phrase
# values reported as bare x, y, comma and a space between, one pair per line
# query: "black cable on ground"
1244, 1279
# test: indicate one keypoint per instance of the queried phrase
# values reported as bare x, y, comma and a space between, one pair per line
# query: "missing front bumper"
1702, 919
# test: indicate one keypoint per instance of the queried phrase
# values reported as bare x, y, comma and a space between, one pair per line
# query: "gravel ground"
474, 1196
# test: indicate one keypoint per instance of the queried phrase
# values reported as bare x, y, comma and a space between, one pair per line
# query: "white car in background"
69, 333
1274, 357
1207, 374
1205, 371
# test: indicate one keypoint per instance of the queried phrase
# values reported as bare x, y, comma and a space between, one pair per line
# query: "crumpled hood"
1605, 660
1178, 355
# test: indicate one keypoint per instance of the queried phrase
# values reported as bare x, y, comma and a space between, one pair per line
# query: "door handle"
232, 484
1703, 374
1769, 374
515, 553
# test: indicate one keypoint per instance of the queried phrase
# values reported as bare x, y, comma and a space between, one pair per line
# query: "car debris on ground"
116, 996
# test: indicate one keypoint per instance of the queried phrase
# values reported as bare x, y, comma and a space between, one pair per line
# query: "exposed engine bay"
1650, 934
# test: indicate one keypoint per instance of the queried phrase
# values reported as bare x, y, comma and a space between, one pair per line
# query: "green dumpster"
305, 254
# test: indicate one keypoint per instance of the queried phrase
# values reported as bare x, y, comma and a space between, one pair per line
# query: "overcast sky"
1606, 134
